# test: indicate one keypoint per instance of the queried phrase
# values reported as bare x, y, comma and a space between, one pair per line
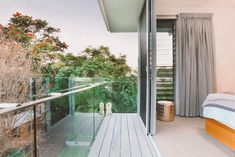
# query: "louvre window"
165, 60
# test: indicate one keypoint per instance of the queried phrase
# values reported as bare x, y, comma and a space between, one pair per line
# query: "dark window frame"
169, 23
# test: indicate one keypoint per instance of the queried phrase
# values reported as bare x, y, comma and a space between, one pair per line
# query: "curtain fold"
195, 74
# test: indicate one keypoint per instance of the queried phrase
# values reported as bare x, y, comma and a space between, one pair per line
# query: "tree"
104, 64
92, 62
15, 71
36, 34
100, 62
27, 30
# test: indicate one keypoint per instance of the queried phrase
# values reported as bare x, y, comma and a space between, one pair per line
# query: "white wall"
224, 28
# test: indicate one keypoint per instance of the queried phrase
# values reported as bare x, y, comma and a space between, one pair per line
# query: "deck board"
105, 151
96, 147
115, 146
134, 143
145, 143
122, 135
125, 141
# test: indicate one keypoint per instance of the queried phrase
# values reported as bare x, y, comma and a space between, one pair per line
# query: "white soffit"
121, 15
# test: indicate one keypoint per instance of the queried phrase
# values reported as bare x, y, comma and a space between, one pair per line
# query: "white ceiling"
121, 15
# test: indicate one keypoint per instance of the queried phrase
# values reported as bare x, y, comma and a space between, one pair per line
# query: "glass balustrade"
61, 117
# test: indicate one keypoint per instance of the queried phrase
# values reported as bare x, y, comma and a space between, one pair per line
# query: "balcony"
75, 117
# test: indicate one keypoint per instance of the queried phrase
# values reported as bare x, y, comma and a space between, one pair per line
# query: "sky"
81, 24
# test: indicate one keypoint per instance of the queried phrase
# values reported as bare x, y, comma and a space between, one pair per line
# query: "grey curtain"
194, 62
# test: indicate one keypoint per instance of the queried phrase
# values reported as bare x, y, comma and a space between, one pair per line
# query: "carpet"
186, 137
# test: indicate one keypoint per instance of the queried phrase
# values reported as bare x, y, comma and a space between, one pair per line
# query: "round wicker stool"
165, 111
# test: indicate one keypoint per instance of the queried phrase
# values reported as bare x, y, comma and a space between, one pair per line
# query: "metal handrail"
73, 88
42, 100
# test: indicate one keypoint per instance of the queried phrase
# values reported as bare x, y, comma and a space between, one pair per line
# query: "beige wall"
224, 28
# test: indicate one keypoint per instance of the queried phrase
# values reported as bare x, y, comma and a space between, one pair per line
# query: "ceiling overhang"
121, 15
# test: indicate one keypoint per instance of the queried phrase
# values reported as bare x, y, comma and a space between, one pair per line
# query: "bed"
219, 113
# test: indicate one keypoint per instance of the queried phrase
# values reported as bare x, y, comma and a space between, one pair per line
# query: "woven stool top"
166, 103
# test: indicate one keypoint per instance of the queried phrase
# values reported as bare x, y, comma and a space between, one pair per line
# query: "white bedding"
223, 116
220, 107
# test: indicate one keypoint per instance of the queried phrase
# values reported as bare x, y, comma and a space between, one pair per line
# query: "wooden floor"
122, 135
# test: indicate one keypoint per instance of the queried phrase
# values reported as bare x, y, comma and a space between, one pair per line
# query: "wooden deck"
122, 135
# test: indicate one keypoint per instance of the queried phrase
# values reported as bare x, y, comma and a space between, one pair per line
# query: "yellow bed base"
221, 132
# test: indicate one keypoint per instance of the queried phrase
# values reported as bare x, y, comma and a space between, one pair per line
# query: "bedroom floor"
186, 137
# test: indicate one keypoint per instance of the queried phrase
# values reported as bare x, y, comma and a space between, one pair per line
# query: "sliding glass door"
147, 66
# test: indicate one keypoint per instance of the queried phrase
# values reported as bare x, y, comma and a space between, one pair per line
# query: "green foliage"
92, 62
59, 107
165, 83
16, 153
99, 62
84, 101
66, 71
123, 95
